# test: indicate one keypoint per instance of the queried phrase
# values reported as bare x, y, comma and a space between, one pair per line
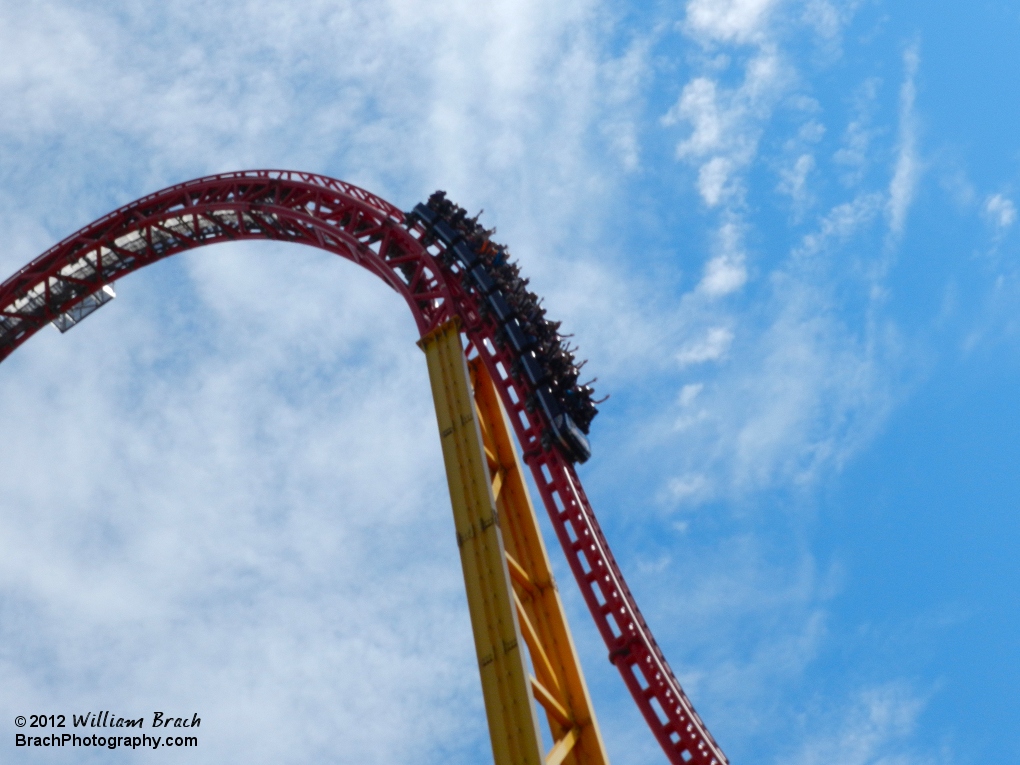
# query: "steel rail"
323, 212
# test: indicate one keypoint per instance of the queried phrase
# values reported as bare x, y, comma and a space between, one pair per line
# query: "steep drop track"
66, 282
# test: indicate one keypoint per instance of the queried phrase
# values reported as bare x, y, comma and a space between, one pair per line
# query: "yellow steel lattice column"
513, 724
558, 684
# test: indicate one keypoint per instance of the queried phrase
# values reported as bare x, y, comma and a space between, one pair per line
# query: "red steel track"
357, 225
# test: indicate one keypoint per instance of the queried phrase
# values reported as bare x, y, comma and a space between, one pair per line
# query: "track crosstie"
336, 216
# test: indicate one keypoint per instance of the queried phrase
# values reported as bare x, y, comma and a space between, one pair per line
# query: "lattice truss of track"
76, 276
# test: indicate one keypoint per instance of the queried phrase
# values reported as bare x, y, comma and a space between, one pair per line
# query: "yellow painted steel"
558, 684
513, 722
512, 597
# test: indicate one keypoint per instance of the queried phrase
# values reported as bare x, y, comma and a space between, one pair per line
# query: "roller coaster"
497, 366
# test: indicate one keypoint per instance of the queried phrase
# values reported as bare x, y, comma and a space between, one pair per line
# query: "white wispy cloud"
1000, 210
726, 272
841, 222
827, 18
802, 392
698, 105
907, 167
711, 348
875, 728
734, 21
794, 182
626, 81
726, 124
854, 154
690, 392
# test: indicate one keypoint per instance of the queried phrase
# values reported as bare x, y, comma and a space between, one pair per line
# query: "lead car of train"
543, 357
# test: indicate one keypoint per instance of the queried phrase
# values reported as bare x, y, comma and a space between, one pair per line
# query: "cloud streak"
907, 168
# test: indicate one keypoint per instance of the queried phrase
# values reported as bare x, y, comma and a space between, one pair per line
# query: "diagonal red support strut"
336, 216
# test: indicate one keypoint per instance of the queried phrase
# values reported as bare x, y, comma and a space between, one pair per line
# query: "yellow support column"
512, 596
558, 684
513, 723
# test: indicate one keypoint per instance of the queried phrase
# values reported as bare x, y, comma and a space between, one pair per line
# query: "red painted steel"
264, 204
355, 224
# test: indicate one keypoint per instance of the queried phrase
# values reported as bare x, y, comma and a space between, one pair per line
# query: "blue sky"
784, 232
